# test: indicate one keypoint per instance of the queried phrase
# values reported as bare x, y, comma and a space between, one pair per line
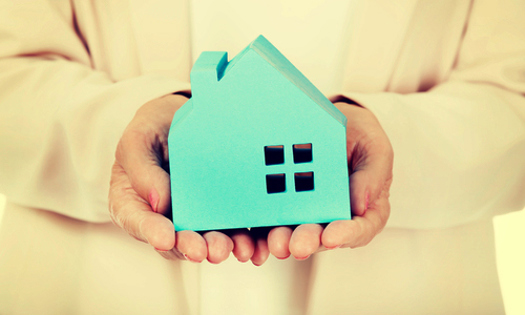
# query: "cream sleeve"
460, 147
60, 120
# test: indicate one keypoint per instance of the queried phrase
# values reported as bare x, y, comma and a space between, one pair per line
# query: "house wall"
217, 154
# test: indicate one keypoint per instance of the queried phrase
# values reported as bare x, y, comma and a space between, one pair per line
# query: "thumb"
143, 151
370, 177
370, 157
130, 212
142, 165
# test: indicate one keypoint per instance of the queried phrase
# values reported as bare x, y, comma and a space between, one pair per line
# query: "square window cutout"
274, 154
275, 183
304, 181
302, 153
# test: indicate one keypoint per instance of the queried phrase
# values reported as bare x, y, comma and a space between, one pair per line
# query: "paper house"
256, 145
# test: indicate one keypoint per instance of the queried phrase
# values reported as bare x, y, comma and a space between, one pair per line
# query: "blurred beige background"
510, 240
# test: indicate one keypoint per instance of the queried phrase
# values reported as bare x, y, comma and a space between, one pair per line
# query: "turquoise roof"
270, 54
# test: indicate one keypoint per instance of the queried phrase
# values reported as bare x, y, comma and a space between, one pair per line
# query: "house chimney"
207, 71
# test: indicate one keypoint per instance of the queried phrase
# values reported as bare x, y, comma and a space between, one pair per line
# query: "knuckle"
131, 136
129, 223
132, 224
171, 255
112, 213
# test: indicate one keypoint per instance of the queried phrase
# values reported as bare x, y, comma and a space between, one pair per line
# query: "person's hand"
370, 162
139, 196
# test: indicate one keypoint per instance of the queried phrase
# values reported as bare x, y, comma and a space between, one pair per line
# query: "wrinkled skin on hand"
139, 195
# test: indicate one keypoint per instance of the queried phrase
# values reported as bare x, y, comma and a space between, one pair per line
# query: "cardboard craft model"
256, 145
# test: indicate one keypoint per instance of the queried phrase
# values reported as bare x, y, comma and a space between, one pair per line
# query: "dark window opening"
274, 154
302, 153
304, 181
275, 183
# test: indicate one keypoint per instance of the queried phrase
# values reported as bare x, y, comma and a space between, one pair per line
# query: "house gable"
212, 67
273, 56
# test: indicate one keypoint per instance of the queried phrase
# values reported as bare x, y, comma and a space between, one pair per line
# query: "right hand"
140, 197
370, 161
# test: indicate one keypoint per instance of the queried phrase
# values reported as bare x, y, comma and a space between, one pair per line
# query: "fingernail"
367, 198
282, 258
154, 199
335, 247
161, 250
302, 258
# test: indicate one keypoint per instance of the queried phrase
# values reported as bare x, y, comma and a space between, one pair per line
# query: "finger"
130, 212
360, 230
279, 241
370, 177
243, 244
360, 183
138, 155
305, 240
192, 245
261, 251
143, 151
370, 157
219, 246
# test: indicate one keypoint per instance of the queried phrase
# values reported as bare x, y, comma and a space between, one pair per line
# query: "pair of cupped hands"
139, 196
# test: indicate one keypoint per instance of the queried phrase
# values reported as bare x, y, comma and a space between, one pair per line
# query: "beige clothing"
444, 78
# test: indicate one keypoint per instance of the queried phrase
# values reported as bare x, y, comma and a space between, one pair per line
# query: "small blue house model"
256, 145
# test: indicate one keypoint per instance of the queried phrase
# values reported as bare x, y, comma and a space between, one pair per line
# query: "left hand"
140, 196
370, 162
